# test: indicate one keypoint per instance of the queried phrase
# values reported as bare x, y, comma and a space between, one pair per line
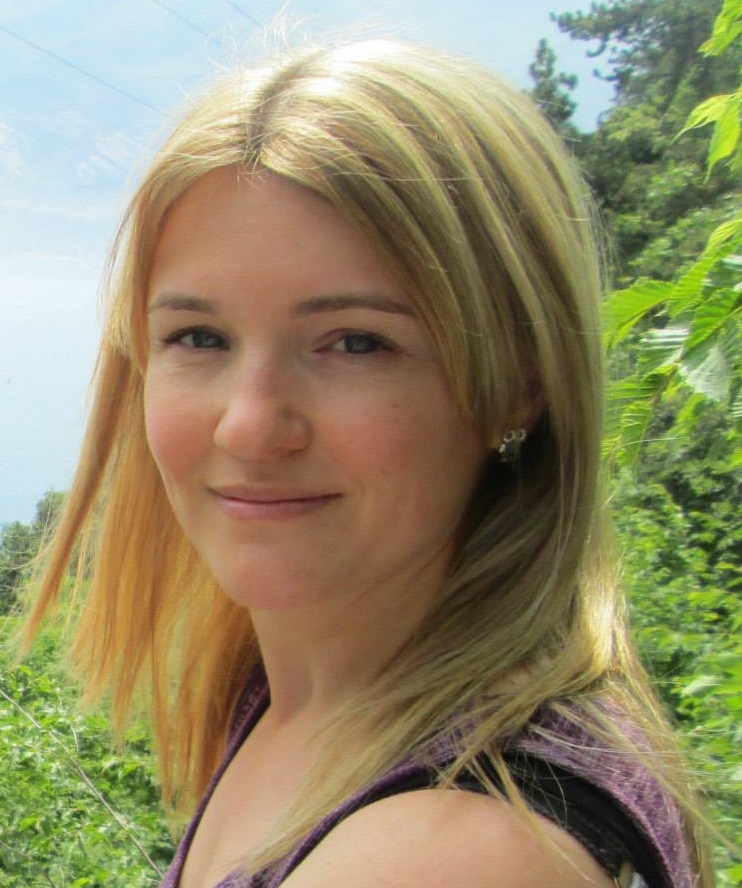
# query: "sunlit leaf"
699, 684
730, 342
634, 421
626, 307
710, 316
688, 291
709, 111
707, 372
629, 409
727, 231
736, 408
661, 347
726, 28
726, 133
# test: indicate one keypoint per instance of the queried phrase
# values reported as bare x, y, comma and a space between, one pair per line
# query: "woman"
340, 496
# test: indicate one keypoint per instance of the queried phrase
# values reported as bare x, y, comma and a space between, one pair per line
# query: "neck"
319, 658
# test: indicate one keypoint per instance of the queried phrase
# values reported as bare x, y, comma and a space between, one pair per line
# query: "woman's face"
300, 417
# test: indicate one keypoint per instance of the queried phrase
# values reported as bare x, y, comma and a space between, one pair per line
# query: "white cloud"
11, 159
114, 152
64, 208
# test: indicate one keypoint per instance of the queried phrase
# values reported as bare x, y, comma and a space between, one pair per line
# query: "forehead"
258, 233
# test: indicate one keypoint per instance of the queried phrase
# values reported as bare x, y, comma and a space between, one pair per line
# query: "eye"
359, 344
196, 338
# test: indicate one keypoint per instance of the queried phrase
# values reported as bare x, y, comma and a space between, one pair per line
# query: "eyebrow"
183, 302
314, 305
343, 301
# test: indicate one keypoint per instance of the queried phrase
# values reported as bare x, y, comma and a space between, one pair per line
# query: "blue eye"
359, 344
197, 338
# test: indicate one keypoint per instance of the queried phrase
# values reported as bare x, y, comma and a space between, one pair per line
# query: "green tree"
19, 545
552, 91
694, 348
656, 200
47, 511
678, 509
651, 48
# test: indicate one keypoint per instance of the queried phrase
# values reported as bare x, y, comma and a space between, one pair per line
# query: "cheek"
176, 434
380, 438
420, 447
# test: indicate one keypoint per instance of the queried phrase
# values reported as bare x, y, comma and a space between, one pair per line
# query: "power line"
182, 18
242, 12
78, 68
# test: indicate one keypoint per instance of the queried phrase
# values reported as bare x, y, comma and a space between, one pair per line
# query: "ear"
522, 419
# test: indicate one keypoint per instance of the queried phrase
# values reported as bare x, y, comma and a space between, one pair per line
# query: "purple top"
634, 790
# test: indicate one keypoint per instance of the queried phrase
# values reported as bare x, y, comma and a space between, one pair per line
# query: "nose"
263, 411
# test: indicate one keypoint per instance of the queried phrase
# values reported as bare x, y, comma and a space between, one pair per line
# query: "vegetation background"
664, 163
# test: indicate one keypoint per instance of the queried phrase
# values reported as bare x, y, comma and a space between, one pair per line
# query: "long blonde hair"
456, 179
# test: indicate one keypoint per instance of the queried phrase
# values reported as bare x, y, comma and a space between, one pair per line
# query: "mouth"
269, 503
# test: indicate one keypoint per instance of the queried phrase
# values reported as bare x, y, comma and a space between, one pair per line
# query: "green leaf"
625, 308
730, 342
736, 411
726, 133
629, 410
734, 874
710, 316
660, 348
699, 684
710, 111
726, 28
688, 291
716, 46
634, 421
707, 372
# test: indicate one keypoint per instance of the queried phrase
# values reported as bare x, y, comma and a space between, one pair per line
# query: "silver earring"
512, 441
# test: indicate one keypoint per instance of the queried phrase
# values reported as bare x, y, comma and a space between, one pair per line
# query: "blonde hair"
456, 179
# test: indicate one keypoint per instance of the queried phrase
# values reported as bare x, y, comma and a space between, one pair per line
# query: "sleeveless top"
608, 802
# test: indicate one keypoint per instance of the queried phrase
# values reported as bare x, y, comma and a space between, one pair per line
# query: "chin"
268, 590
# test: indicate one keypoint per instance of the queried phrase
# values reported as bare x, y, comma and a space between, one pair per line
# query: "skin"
313, 452
445, 839
295, 404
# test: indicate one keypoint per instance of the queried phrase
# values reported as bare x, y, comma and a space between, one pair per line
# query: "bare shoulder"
446, 839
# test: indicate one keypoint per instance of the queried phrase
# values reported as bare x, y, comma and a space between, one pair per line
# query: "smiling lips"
269, 504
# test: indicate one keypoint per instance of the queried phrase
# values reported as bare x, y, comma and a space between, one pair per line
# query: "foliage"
677, 347
650, 46
694, 348
682, 544
695, 343
552, 91
75, 812
723, 111
19, 543
650, 185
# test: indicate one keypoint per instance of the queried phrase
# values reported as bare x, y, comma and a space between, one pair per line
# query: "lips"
245, 502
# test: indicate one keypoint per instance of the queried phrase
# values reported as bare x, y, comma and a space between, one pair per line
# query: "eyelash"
178, 337
376, 344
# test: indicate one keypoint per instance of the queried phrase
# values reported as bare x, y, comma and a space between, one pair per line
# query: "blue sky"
84, 89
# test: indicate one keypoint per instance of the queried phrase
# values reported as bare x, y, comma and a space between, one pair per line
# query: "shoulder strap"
589, 814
